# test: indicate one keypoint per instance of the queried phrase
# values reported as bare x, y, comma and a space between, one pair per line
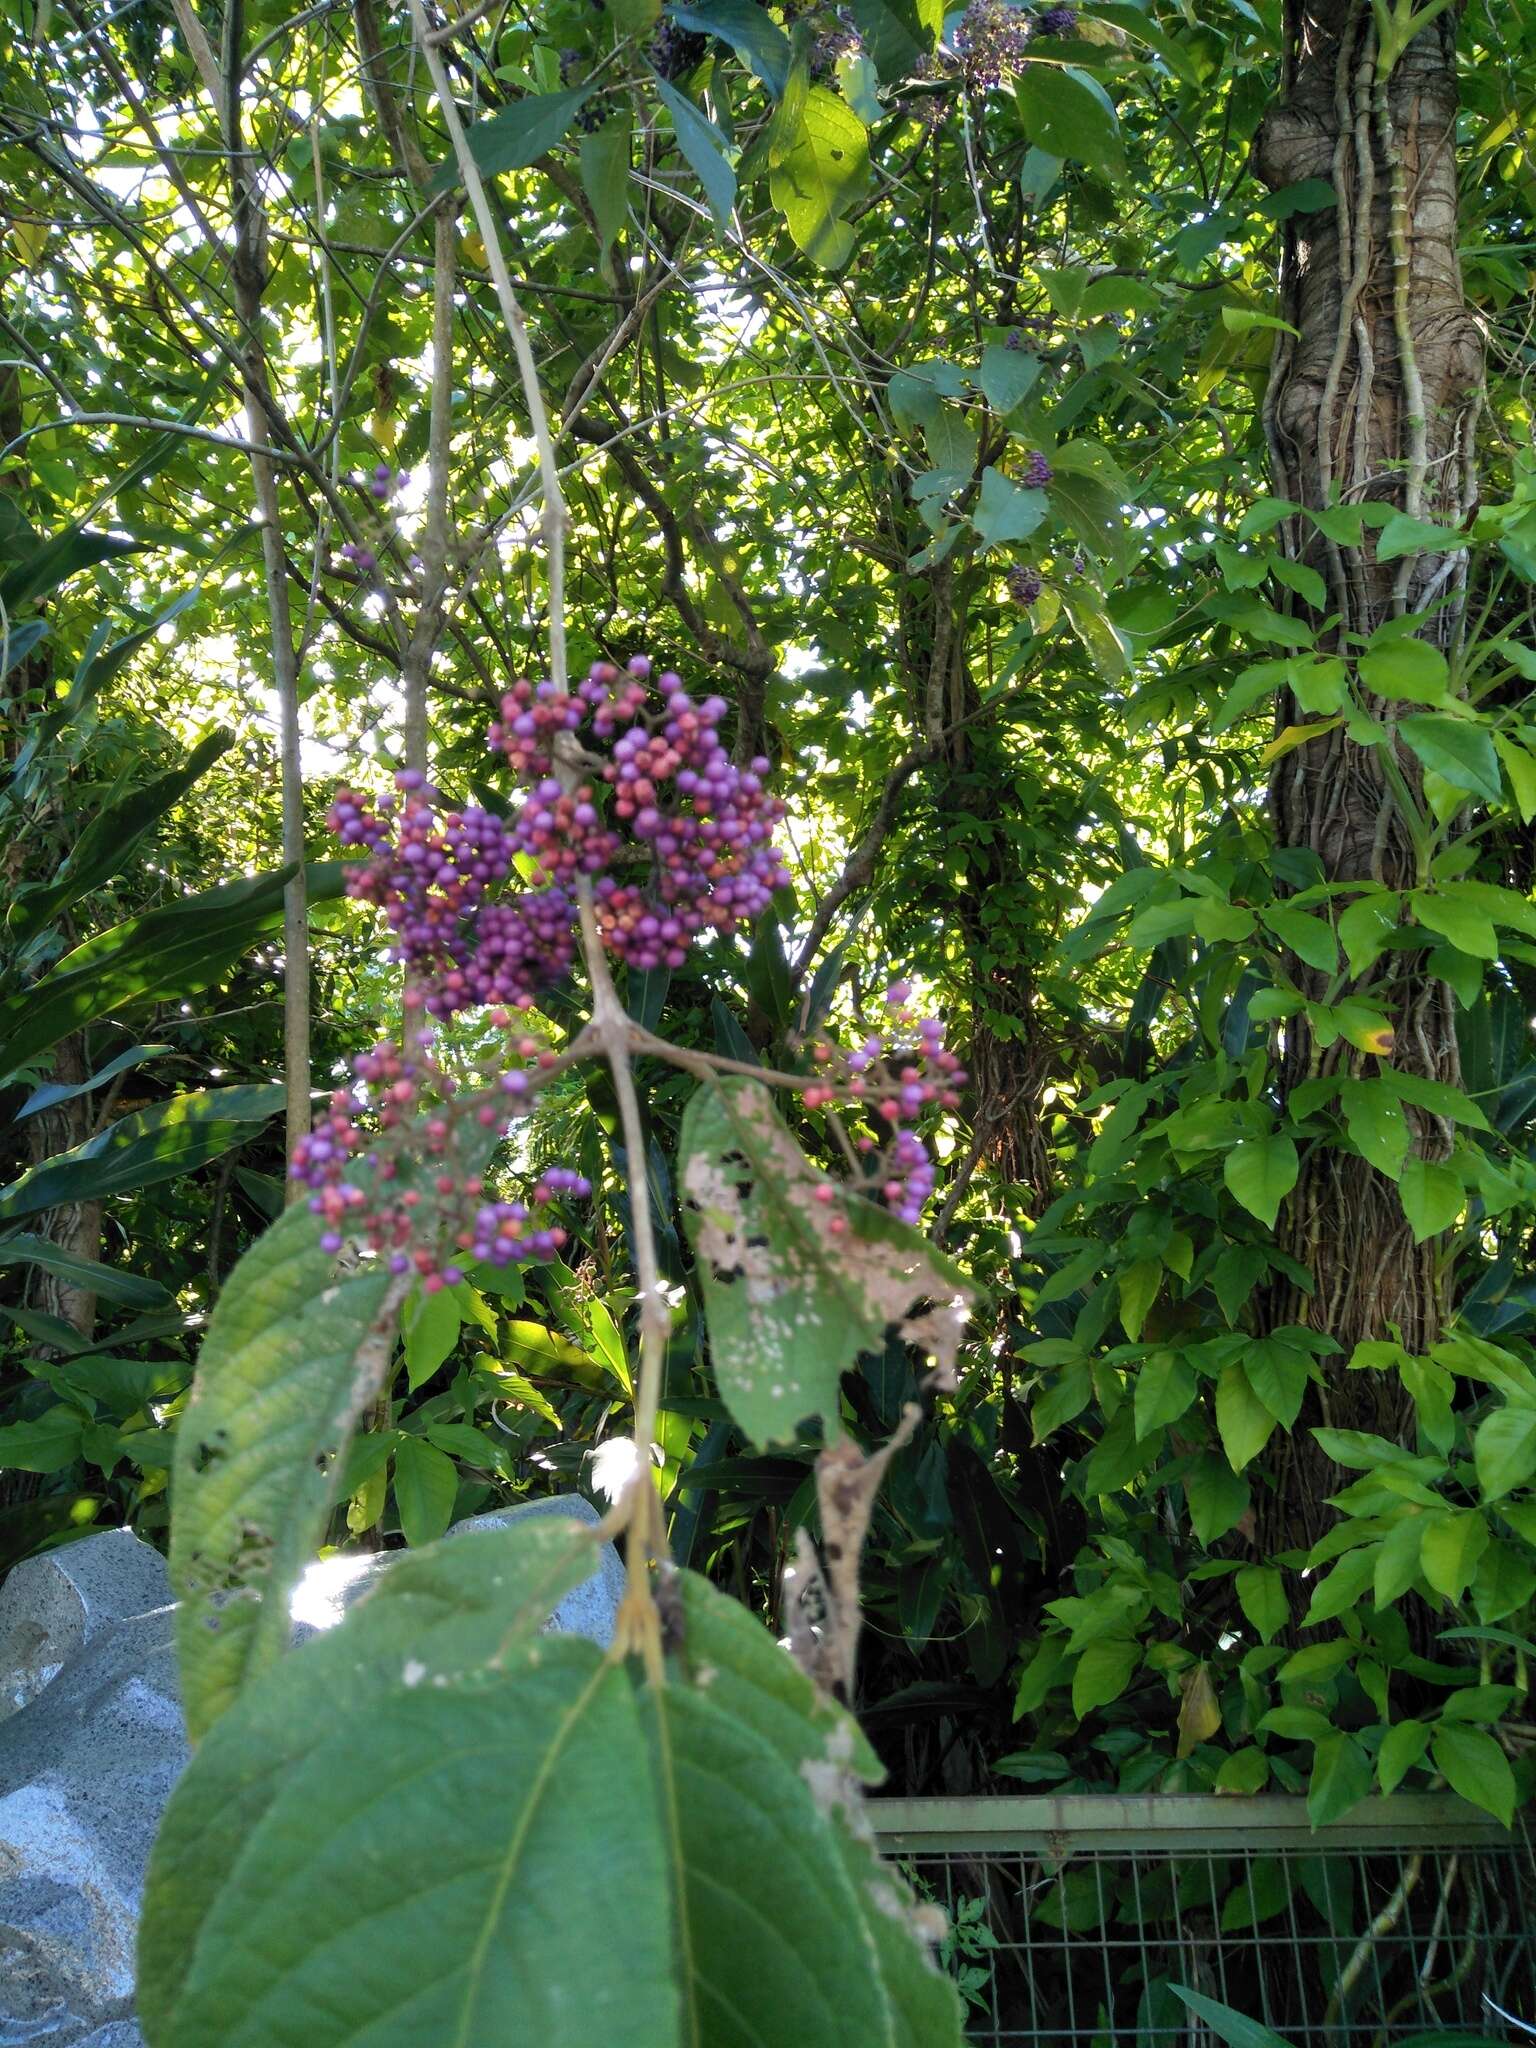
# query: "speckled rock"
91, 1742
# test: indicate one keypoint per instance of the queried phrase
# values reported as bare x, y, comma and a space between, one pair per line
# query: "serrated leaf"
789, 1303
450, 1772
293, 1353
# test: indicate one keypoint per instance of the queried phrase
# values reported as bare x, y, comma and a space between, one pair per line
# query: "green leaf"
1007, 376
1243, 1422
789, 1303
1504, 1451
518, 135
426, 1487
110, 1282
1278, 1374
138, 1151
1229, 2025
1449, 1548
750, 30
1006, 511
748, 1682
1403, 535
1260, 1592
1467, 925
895, 36
1400, 667
1473, 1764
1260, 1174
820, 175
1341, 1778
1461, 753
450, 1772
1309, 938
293, 1354
1432, 1197
1103, 1672
704, 151
1067, 117
46, 1445
1374, 1118
1344, 1586
1520, 767
1218, 1497
605, 164
160, 956
1137, 1286
1165, 1386
52, 565
110, 840
431, 1325
1401, 1748
51, 1093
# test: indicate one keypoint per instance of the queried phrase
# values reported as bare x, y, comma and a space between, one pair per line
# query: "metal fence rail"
1073, 1917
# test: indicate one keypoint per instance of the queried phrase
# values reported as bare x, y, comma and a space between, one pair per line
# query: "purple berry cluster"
416, 1207
1056, 21
385, 481
674, 838
363, 560
896, 1077
1025, 585
1037, 472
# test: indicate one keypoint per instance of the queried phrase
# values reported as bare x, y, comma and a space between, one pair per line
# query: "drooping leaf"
1459, 752
516, 136
133, 1290
426, 1486
1067, 116
1260, 1173
704, 150
750, 30
790, 1302
293, 1353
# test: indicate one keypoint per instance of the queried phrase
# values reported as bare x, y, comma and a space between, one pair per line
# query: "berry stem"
639, 1627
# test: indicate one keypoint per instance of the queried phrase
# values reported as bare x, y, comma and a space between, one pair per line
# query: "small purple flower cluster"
897, 1077
1025, 585
1037, 472
991, 40
1056, 21
419, 1119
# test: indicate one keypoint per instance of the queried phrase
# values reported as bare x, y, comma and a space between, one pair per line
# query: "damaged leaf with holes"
790, 1298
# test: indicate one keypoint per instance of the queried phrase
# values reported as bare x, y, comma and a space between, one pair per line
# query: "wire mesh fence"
1073, 1918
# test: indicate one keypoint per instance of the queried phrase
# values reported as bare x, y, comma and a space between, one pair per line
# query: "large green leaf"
748, 1676
1068, 116
158, 956
1457, 750
790, 1304
138, 1151
750, 30
520, 134
895, 36
110, 1282
56, 561
1261, 1173
821, 173
1504, 1450
293, 1353
107, 844
391, 1837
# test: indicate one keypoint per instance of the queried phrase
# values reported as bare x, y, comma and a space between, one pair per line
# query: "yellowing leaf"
1199, 1715
1295, 736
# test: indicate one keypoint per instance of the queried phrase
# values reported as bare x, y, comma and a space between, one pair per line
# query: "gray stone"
95, 1741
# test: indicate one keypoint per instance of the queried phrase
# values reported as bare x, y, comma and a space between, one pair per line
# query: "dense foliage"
921, 389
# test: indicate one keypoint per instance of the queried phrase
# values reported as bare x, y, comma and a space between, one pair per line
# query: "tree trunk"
1375, 400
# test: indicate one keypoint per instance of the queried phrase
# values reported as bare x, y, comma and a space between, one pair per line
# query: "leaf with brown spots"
790, 1305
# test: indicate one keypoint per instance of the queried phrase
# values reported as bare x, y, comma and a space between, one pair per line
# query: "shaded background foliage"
911, 376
